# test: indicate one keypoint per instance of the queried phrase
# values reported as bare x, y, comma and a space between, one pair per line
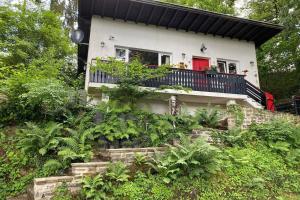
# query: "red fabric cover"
200, 64
270, 101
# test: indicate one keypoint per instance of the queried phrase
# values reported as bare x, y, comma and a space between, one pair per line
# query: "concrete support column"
173, 107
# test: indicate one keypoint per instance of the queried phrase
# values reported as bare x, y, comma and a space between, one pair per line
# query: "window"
121, 54
225, 66
165, 59
150, 58
146, 57
221, 67
232, 68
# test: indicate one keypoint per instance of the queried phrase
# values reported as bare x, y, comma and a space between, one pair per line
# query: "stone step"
44, 188
89, 168
127, 155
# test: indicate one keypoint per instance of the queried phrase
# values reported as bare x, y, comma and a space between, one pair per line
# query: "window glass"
121, 54
232, 68
145, 57
221, 67
165, 60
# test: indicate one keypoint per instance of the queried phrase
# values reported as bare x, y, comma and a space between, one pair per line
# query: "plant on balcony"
132, 73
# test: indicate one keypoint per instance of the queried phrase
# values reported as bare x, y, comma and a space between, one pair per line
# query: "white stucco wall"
160, 39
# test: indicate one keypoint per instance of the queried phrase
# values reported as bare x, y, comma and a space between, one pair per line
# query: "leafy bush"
94, 187
189, 158
132, 73
39, 142
282, 137
50, 97
144, 188
37, 98
117, 173
62, 193
17, 169
54, 146
208, 117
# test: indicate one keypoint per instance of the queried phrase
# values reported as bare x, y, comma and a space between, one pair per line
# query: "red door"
200, 64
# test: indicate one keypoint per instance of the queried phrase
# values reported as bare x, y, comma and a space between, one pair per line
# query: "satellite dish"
77, 36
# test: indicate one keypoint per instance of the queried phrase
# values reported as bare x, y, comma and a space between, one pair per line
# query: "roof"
152, 12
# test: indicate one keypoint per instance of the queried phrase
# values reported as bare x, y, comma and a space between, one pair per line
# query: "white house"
192, 40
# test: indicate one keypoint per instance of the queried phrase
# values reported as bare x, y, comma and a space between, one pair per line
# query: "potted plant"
212, 70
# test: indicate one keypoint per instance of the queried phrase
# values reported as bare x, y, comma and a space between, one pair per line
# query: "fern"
208, 117
52, 166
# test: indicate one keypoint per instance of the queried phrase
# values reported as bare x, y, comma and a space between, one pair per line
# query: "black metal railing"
255, 93
196, 80
292, 106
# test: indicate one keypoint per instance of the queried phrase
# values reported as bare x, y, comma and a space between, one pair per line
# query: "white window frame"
127, 49
227, 61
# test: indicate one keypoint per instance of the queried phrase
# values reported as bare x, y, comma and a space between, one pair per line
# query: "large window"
225, 66
146, 57
150, 58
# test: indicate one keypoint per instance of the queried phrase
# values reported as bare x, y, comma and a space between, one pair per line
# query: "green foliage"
208, 117
17, 169
279, 58
36, 141
37, 99
189, 158
238, 113
175, 87
282, 137
54, 146
220, 6
62, 193
117, 173
132, 73
144, 188
101, 187
94, 187
31, 36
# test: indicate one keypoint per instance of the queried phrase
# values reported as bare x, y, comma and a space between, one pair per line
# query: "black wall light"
203, 48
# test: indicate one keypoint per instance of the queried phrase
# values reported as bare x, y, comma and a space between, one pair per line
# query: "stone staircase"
43, 188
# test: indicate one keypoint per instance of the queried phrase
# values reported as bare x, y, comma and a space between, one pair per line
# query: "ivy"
237, 111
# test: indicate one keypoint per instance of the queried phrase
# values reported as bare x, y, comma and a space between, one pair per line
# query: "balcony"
197, 81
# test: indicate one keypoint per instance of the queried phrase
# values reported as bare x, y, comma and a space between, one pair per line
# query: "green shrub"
117, 173
62, 193
53, 146
37, 98
17, 169
208, 117
94, 187
144, 188
282, 137
189, 158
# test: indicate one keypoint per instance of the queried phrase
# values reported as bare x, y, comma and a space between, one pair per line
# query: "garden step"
44, 188
127, 155
88, 168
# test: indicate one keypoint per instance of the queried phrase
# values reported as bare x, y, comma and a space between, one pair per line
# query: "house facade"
194, 42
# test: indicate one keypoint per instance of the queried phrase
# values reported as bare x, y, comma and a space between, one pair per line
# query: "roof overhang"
152, 12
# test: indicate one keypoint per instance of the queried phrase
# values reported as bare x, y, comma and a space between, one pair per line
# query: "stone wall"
252, 115
90, 168
44, 187
127, 155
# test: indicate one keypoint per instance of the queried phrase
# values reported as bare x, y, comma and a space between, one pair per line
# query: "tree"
31, 36
220, 6
279, 58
